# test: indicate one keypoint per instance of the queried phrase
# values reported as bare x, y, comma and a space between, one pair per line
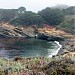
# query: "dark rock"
17, 58
42, 36
2, 36
55, 38
49, 37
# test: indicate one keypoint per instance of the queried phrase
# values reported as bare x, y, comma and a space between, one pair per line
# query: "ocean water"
27, 47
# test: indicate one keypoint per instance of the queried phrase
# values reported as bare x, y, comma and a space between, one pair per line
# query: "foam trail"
57, 50
60, 46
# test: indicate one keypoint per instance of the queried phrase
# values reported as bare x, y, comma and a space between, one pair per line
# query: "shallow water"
24, 47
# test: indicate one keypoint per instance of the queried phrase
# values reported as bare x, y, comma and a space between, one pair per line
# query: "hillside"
48, 24
68, 24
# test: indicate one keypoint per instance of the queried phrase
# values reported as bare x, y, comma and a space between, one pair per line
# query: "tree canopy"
28, 18
50, 16
69, 11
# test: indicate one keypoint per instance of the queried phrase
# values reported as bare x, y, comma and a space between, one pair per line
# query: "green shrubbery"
68, 25
20, 16
61, 67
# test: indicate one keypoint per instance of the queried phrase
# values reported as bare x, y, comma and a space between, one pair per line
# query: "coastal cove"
22, 52
37, 43
27, 47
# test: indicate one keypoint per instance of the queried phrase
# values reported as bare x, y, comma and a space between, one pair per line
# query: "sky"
33, 5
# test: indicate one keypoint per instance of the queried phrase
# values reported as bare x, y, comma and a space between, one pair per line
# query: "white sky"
34, 5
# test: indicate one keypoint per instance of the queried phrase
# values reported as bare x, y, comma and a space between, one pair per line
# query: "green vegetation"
42, 65
63, 19
60, 67
69, 11
51, 16
68, 25
28, 18
21, 65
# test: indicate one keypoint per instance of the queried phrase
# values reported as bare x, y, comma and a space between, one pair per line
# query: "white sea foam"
57, 50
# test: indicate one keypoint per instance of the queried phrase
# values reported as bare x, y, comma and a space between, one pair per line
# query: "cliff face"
52, 34
7, 30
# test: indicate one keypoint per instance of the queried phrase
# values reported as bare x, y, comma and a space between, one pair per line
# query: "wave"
57, 50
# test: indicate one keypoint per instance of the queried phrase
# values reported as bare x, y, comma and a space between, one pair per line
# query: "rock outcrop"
7, 30
50, 34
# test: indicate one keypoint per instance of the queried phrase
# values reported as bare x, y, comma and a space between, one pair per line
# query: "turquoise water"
24, 47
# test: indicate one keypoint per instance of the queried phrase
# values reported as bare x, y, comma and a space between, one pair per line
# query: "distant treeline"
50, 16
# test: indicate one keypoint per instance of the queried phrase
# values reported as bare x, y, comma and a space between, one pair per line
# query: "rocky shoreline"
68, 45
7, 30
49, 34
63, 61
